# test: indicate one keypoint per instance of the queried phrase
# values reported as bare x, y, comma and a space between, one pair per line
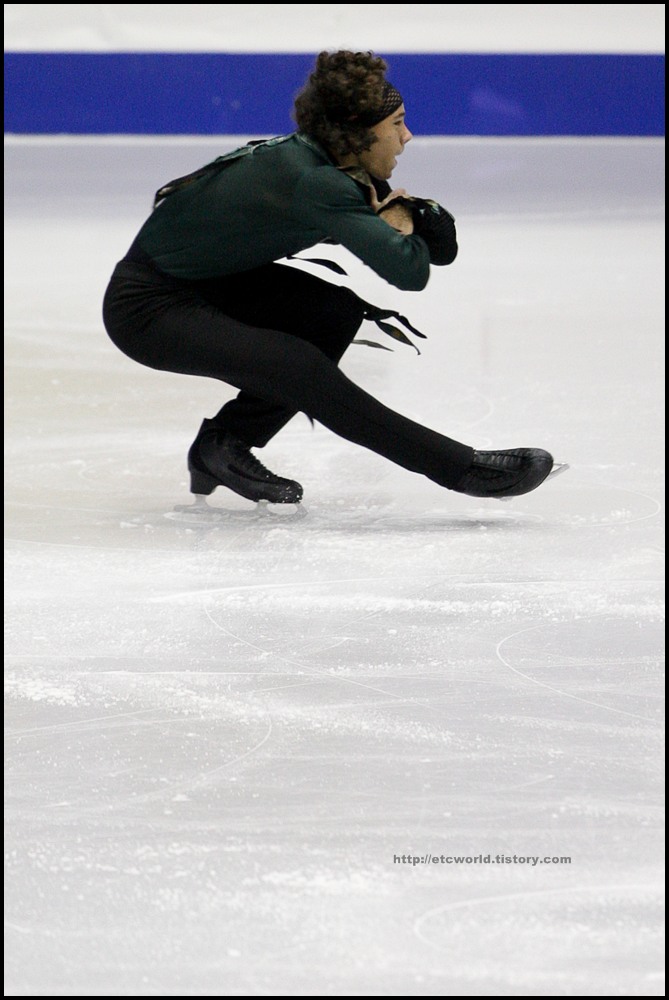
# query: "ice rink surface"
222, 735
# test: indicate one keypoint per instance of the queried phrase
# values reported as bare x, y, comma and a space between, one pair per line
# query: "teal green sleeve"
334, 204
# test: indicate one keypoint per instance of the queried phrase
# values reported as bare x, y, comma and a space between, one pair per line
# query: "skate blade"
200, 513
558, 468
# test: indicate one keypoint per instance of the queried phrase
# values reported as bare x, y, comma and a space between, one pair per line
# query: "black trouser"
276, 333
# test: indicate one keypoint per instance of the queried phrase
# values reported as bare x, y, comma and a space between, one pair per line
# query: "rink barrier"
160, 93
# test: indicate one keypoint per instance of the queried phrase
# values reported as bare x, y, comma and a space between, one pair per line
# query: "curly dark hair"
342, 86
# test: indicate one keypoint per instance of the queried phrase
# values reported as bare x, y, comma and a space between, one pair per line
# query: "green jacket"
270, 200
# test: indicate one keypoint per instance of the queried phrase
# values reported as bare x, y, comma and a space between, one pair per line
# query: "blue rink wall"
158, 93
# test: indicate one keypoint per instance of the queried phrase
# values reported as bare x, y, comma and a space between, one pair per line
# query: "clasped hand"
397, 216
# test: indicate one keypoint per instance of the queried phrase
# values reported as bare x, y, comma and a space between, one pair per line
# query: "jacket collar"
313, 144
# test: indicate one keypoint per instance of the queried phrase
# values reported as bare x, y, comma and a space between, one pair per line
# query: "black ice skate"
216, 458
504, 474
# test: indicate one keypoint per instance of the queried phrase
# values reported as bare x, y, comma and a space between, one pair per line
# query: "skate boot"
216, 458
505, 474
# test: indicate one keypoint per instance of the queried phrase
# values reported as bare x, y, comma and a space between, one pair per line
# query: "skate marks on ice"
626, 506
577, 505
579, 653
200, 734
584, 503
67, 524
578, 501
572, 503
543, 924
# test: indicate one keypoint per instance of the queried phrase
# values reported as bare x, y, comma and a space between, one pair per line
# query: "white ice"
220, 736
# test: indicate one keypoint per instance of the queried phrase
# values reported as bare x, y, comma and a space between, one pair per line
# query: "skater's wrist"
398, 215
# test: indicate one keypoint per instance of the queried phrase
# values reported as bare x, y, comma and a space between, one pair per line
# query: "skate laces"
247, 460
249, 463
486, 472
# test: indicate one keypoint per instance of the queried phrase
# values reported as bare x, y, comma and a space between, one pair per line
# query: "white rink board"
491, 27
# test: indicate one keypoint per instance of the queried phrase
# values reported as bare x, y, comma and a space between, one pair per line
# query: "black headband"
391, 99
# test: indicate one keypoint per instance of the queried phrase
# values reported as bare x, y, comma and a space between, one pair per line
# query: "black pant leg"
168, 325
282, 297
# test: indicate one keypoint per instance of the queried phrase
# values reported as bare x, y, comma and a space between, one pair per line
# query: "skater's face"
392, 136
